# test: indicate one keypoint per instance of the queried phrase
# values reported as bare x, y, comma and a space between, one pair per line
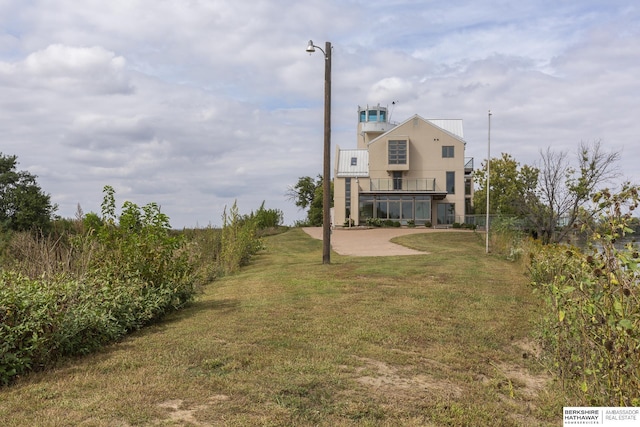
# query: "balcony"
468, 165
399, 184
376, 127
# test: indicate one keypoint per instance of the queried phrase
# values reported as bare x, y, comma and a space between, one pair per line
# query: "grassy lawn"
429, 340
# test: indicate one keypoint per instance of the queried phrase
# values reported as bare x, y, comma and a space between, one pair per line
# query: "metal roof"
346, 166
453, 126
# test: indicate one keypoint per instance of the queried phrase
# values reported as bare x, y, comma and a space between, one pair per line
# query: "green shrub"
203, 248
266, 218
43, 320
73, 294
239, 241
592, 327
374, 222
67, 294
142, 247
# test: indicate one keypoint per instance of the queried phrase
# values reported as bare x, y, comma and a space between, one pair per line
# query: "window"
451, 182
407, 209
446, 213
383, 116
366, 208
347, 195
397, 152
447, 151
468, 206
373, 115
397, 180
423, 209
402, 208
363, 115
354, 161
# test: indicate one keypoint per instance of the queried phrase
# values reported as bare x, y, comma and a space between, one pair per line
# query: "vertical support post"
488, 182
326, 180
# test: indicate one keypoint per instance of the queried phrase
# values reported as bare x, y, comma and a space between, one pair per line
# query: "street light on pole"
326, 178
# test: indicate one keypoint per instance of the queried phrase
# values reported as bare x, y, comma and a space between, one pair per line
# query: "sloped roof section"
353, 163
453, 126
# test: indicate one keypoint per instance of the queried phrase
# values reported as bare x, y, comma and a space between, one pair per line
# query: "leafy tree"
23, 204
509, 186
303, 193
266, 218
564, 190
551, 196
307, 194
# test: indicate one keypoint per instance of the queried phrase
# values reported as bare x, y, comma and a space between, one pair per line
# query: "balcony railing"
398, 184
468, 164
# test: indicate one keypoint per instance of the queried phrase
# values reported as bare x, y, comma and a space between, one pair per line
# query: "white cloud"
81, 71
193, 104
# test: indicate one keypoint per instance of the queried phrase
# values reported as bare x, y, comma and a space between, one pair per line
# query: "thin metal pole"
326, 180
488, 173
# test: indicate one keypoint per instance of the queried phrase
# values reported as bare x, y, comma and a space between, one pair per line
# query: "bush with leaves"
140, 246
592, 329
239, 241
266, 218
116, 277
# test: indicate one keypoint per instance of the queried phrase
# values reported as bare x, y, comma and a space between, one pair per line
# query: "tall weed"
100, 277
239, 241
203, 246
592, 328
507, 238
46, 255
71, 294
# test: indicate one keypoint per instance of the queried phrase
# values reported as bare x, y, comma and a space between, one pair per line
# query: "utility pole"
326, 179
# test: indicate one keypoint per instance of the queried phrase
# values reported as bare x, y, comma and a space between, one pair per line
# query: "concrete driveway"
369, 241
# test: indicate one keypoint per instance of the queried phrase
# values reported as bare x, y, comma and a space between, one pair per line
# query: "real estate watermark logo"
600, 416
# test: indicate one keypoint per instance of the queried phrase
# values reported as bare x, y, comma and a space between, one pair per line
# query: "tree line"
23, 204
551, 197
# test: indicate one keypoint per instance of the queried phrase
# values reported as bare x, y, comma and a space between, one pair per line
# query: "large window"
403, 208
407, 209
423, 209
446, 213
447, 151
397, 152
451, 182
366, 207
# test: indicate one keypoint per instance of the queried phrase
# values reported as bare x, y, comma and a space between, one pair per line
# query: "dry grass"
434, 340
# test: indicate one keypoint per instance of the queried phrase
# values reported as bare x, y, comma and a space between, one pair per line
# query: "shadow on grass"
226, 305
69, 365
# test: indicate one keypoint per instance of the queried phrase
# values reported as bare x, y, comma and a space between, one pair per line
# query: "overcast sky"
196, 103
